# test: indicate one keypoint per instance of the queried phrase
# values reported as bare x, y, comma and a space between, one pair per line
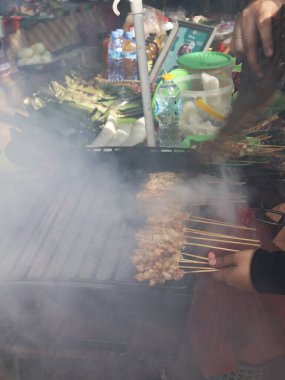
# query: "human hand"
253, 24
235, 268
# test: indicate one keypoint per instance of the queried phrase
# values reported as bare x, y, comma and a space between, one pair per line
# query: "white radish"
106, 135
138, 133
121, 136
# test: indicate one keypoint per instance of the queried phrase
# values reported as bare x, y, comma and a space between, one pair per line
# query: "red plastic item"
12, 24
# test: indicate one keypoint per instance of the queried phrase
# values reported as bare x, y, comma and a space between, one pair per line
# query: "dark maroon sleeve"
268, 271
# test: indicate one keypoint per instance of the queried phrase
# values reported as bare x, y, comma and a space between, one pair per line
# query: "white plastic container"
202, 120
220, 99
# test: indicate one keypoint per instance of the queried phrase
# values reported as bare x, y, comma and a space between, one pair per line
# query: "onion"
46, 57
38, 48
35, 60
25, 53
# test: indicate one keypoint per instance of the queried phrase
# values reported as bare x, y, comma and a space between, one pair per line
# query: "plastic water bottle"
130, 58
168, 110
115, 57
120, 33
120, 56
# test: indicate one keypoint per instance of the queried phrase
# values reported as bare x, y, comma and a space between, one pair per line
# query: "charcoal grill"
67, 286
65, 268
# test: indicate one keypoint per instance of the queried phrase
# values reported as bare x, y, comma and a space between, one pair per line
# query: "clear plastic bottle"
115, 57
119, 45
120, 33
168, 110
130, 58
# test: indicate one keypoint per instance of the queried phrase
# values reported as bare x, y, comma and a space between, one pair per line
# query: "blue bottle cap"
114, 34
129, 35
120, 32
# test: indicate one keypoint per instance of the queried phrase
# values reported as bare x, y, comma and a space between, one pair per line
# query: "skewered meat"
157, 185
159, 243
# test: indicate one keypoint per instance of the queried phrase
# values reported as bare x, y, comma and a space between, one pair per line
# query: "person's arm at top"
251, 270
254, 24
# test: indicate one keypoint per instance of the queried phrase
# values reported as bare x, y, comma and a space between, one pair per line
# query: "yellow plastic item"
167, 76
209, 110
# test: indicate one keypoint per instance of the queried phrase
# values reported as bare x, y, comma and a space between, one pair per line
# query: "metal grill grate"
79, 229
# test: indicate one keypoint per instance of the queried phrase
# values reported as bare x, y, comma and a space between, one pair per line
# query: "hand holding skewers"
252, 270
234, 268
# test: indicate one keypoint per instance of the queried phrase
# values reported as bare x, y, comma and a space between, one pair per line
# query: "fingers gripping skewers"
162, 244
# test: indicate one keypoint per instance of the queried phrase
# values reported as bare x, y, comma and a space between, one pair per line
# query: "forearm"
268, 272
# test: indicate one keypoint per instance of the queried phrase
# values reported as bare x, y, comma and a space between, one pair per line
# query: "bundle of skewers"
243, 146
163, 244
212, 240
163, 254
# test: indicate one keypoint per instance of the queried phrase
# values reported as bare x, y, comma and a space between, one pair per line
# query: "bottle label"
169, 105
150, 65
172, 107
132, 55
158, 108
116, 54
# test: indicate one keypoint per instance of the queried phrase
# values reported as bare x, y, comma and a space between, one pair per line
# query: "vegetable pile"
95, 106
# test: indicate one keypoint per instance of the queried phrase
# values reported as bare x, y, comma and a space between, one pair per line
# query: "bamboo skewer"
187, 261
211, 246
260, 125
232, 198
208, 219
208, 233
201, 271
193, 267
211, 220
216, 181
272, 146
213, 202
221, 224
223, 241
196, 256
264, 138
